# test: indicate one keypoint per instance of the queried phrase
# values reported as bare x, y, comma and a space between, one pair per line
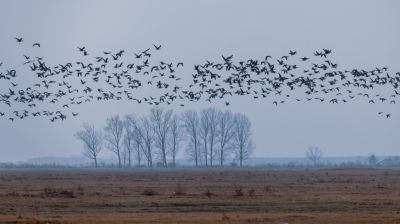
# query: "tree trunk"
241, 156
211, 155
173, 159
138, 155
164, 154
205, 152
173, 152
150, 162
195, 153
222, 157
129, 159
119, 158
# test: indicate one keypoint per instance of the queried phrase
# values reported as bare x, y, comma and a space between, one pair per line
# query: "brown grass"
208, 196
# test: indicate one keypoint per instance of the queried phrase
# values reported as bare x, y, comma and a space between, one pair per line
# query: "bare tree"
92, 140
124, 155
114, 133
136, 132
242, 142
213, 119
161, 123
129, 142
372, 160
138, 147
176, 137
225, 129
314, 154
147, 135
190, 123
204, 132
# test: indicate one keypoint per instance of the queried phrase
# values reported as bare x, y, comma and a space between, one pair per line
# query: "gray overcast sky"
363, 34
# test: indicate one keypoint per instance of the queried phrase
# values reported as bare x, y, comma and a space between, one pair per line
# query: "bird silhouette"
157, 47
69, 84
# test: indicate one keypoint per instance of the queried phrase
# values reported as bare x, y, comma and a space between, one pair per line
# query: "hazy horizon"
362, 34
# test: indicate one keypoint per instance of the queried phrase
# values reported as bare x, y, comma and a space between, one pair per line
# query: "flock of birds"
115, 76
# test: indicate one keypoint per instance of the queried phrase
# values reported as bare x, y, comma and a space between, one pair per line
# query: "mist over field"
362, 34
228, 111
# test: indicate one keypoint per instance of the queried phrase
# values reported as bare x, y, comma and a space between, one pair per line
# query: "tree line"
210, 138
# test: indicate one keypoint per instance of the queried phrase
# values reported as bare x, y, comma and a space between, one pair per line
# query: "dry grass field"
200, 196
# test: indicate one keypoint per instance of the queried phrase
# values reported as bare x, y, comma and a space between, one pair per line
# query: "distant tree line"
210, 137
381, 162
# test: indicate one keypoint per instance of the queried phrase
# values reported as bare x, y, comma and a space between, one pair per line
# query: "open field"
199, 196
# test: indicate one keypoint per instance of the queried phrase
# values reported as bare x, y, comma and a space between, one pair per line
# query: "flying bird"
79, 82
